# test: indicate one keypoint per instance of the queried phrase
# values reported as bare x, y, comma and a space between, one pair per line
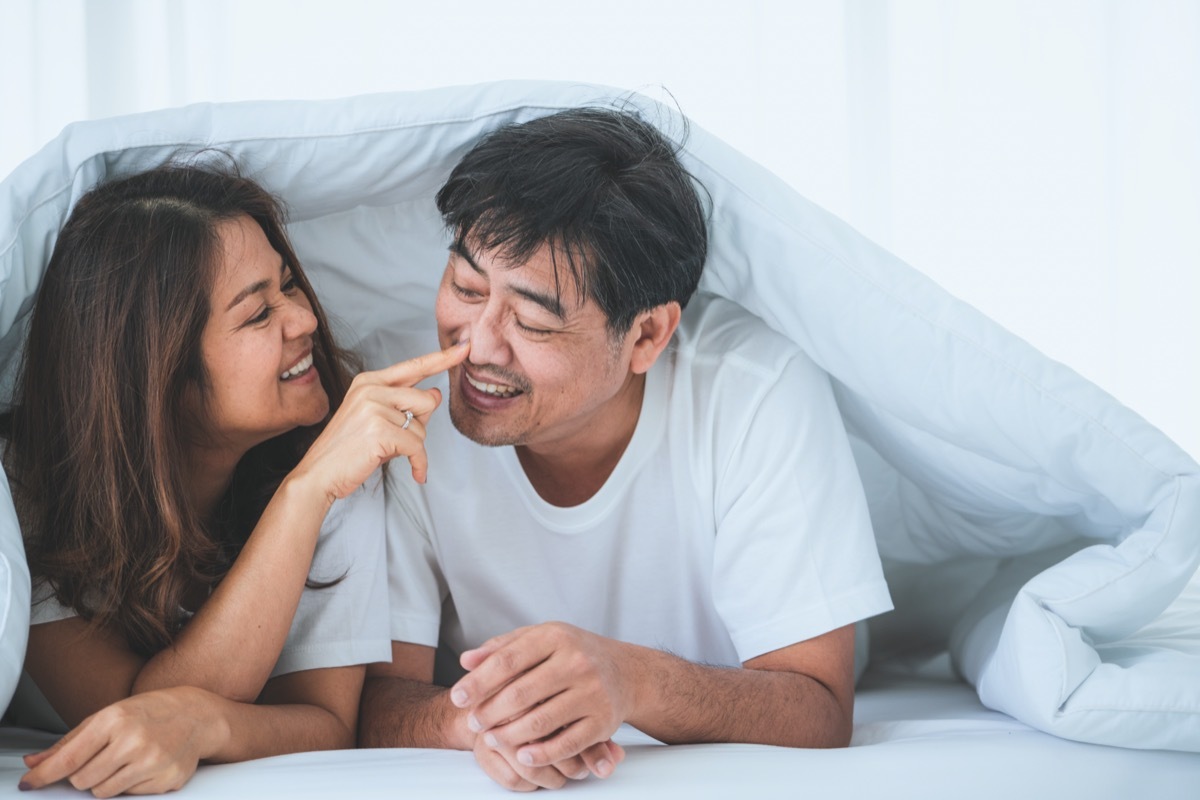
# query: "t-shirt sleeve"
795, 554
416, 586
345, 622
45, 606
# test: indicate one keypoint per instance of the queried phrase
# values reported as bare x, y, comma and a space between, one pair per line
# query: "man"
642, 514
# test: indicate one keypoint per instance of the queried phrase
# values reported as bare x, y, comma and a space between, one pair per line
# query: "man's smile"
495, 389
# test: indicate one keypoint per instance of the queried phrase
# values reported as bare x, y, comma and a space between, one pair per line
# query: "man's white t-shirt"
734, 524
336, 626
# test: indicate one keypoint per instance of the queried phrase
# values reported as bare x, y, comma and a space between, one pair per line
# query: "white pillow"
14, 598
971, 443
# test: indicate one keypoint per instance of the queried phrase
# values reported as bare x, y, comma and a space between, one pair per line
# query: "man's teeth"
499, 390
302, 366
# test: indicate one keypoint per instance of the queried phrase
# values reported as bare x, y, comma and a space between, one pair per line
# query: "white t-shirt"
336, 626
734, 524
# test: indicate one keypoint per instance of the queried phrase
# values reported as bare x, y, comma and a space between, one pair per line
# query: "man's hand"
548, 693
502, 766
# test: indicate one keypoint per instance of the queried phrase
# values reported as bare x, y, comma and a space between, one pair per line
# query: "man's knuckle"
551, 778
579, 663
520, 695
510, 780
540, 722
506, 660
564, 745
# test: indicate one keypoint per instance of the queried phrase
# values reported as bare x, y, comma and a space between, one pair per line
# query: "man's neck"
570, 472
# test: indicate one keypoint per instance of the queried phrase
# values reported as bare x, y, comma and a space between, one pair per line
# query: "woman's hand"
145, 744
373, 425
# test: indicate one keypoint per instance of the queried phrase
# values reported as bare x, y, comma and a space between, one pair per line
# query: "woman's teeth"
496, 389
302, 366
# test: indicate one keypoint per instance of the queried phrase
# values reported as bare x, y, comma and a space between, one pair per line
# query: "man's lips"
496, 389
487, 395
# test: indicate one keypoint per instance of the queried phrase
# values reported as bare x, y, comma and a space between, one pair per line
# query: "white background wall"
1039, 158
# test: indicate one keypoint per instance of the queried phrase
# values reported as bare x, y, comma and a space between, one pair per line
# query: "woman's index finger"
415, 370
66, 757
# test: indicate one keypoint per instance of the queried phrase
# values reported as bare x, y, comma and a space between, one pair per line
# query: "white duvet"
1023, 514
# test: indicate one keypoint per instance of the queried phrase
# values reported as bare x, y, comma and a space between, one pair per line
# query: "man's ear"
652, 331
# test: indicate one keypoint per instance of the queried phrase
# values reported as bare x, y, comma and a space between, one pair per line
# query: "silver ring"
407, 420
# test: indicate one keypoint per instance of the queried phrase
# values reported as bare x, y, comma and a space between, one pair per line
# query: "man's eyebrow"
460, 250
255, 287
546, 301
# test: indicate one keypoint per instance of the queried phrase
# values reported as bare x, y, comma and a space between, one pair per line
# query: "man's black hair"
604, 189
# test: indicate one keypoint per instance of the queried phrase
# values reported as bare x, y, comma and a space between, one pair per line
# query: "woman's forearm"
246, 731
231, 644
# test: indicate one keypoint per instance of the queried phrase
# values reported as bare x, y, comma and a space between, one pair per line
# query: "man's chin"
476, 426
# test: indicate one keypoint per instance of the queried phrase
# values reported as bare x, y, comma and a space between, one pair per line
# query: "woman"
185, 439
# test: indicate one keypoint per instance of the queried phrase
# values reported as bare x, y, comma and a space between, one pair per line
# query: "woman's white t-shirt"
336, 626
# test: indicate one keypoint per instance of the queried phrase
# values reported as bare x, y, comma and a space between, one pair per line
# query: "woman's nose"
300, 321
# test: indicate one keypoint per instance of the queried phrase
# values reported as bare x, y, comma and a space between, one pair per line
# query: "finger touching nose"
411, 372
488, 345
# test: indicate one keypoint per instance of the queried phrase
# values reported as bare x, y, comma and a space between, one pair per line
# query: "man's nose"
488, 342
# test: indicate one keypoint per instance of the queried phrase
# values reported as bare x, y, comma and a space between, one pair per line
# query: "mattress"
914, 737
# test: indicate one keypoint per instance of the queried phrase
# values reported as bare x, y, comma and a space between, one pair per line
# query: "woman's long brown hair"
99, 434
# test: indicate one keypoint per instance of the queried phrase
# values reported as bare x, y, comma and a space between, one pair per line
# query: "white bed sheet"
914, 737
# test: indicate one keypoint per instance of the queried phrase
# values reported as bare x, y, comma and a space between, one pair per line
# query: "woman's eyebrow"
256, 287
249, 290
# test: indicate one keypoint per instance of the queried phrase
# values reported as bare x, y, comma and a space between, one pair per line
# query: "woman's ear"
652, 331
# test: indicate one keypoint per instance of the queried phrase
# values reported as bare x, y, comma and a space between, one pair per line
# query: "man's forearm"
680, 702
801, 695
398, 712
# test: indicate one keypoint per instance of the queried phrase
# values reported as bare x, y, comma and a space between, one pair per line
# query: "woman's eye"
289, 285
262, 316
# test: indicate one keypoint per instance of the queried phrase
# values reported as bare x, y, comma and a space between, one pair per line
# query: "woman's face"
257, 345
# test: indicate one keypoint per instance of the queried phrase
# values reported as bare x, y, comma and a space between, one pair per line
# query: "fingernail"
24, 786
525, 757
473, 724
463, 342
580, 776
603, 768
490, 740
459, 698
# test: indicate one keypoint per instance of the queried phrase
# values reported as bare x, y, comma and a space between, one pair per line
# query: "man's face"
543, 368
